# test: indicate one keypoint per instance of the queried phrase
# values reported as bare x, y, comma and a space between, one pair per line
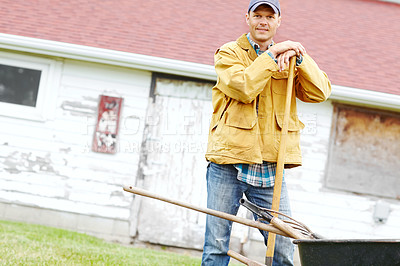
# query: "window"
19, 85
25, 85
364, 151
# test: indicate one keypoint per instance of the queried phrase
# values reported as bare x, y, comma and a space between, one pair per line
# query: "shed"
158, 57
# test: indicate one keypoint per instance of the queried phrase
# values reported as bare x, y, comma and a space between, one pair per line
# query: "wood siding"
330, 212
50, 164
173, 163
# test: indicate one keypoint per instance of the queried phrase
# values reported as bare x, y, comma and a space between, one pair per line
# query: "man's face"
263, 23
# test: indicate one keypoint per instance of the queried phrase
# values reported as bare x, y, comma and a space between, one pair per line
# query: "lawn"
27, 244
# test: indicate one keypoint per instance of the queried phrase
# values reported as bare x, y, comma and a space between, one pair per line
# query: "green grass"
27, 244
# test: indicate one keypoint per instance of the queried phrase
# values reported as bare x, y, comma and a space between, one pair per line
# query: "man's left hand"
283, 59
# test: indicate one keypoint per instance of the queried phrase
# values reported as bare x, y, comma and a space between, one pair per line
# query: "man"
249, 101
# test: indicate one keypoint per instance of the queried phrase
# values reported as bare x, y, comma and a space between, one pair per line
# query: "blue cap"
274, 4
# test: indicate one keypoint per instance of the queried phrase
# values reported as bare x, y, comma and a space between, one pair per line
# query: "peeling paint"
78, 108
120, 195
65, 150
18, 162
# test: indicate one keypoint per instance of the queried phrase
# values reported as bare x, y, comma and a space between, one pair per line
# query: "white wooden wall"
50, 164
174, 164
332, 213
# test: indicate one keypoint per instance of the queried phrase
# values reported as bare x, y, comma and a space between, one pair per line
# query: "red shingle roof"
354, 41
191, 31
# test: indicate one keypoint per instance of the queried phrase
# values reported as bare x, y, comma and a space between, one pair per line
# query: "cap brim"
254, 7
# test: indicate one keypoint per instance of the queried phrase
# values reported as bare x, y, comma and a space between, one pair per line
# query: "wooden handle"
278, 223
280, 164
243, 259
223, 215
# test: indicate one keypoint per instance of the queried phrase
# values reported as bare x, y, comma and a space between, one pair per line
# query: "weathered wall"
50, 165
331, 212
173, 163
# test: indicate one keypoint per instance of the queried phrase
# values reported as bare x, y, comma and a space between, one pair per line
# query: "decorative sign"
105, 135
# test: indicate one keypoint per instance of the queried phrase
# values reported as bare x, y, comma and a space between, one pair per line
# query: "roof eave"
107, 56
366, 98
170, 66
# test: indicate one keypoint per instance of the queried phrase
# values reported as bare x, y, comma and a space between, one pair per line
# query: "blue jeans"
223, 194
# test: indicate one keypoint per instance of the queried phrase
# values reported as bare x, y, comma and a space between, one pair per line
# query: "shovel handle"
281, 159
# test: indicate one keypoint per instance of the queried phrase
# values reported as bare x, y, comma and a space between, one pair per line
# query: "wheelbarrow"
352, 252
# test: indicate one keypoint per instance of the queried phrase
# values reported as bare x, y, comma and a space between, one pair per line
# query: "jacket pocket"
294, 122
279, 82
279, 101
239, 129
241, 115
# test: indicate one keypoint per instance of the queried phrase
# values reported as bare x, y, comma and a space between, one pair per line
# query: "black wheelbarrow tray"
348, 252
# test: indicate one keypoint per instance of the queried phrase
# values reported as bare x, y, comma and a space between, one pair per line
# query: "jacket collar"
244, 43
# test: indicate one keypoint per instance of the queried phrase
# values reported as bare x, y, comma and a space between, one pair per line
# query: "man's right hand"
283, 59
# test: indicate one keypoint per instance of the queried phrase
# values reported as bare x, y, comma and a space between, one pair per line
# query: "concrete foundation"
109, 229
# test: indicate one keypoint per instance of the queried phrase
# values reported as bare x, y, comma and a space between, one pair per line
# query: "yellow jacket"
238, 134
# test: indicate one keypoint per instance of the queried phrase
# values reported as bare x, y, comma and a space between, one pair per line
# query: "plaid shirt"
258, 175
257, 47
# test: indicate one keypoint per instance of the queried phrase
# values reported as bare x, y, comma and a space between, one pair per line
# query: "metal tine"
280, 213
265, 215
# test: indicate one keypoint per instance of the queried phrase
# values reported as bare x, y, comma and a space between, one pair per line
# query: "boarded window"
365, 151
19, 85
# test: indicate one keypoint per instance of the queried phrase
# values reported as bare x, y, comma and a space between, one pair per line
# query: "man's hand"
284, 50
282, 47
283, 59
